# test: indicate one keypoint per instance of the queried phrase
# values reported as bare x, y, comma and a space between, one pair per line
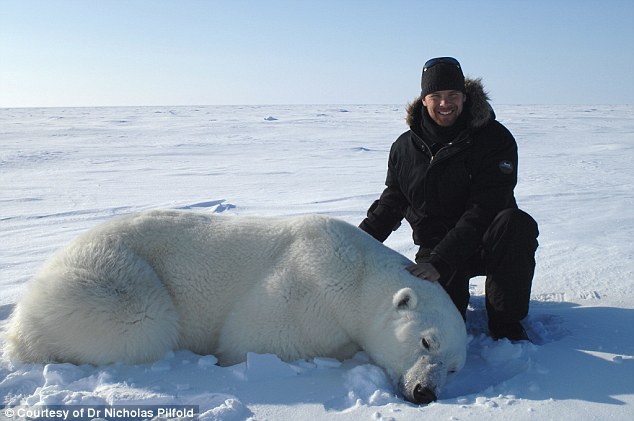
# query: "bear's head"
419, 337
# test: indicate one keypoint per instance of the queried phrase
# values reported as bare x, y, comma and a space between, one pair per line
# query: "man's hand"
425, 271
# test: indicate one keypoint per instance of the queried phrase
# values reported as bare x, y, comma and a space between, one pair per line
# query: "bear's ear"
405, 299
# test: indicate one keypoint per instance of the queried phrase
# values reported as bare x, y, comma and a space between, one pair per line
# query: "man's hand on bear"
424, 270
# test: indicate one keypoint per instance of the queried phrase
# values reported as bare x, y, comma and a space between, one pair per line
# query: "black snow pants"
507, 258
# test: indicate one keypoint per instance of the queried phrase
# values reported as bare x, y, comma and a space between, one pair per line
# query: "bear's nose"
423, 395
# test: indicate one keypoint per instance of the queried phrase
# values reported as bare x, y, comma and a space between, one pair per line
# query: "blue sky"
193, 52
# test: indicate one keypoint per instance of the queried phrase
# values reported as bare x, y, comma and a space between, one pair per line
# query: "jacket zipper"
433, 159
460, 139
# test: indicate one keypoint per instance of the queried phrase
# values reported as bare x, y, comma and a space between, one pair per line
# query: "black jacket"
450, 197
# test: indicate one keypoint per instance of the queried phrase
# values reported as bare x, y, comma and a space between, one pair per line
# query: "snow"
63, 170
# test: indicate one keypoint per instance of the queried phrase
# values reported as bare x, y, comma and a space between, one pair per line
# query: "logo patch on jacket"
506, 167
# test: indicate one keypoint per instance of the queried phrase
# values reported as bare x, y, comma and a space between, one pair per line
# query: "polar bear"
138, 286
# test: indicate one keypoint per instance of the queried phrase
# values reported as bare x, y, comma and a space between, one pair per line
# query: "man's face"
444, 107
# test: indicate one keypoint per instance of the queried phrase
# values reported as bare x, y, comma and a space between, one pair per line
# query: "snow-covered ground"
63, 171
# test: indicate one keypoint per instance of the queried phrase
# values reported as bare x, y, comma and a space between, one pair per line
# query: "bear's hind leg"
99, 305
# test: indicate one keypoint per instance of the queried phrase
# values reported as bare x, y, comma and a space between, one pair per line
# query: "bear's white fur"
136, 287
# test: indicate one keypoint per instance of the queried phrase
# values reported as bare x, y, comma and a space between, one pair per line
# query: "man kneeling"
452, 177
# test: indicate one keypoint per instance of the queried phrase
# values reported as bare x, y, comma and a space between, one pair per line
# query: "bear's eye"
425, 343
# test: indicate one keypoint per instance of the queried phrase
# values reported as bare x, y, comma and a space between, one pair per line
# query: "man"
452, 176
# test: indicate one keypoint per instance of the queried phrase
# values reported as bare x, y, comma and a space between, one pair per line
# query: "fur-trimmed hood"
477, 105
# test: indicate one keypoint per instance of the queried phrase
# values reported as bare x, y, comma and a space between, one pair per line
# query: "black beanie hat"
442, 74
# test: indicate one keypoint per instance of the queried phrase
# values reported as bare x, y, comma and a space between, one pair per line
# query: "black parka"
450, 197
